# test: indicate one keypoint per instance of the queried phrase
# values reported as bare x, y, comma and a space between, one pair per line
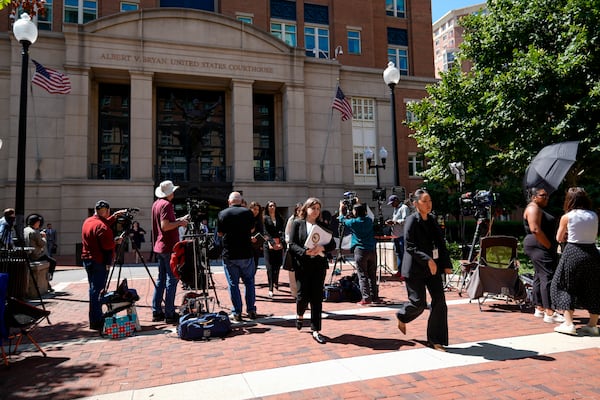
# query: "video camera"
197, 209
349, 201
477, 204
125, 220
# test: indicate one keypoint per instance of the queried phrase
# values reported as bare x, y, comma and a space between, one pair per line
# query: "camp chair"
17, 320
497, 271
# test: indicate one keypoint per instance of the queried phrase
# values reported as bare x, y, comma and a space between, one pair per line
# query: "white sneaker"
270, 294
590, 330
566, 329
539, 313
555, 318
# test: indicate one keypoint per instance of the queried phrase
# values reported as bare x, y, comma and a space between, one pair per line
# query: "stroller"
496, 274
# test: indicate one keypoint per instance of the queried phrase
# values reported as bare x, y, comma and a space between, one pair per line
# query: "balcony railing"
269, 174
109, 171
212, 174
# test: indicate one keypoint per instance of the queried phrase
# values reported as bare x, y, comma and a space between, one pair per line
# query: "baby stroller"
496, 274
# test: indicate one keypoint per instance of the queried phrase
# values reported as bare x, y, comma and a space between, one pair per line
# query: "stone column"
294, 134
141, 134
242, 143
77, 145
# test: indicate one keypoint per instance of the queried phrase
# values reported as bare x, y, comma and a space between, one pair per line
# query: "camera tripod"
202, 273
119, 256
339, 258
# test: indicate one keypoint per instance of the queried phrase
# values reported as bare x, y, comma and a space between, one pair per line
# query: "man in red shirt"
98, 242
165, 232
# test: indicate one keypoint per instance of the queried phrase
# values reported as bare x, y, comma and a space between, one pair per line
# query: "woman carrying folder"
310, 264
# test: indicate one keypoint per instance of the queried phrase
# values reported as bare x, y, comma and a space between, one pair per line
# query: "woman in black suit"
274, 225
425, 259
310, 265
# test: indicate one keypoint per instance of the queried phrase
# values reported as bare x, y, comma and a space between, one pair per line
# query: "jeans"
366, 263
399, 249
244, 269
167, 280
97, 275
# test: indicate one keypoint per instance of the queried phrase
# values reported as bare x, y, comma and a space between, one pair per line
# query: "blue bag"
205, 326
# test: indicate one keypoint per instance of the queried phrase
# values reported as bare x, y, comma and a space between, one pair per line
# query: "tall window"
45, 22
190, 137
80, 11
285, 31
114, 139
363, 136
354, 46
399, 56
415, 165
316, 41
395, 8
265, 168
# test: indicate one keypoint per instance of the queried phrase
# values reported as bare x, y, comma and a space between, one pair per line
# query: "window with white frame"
354, 44
80, 11
410, 117
285, 31
245, 18
362, 109
395, 8
45, 22
316, 41
129, 6
399, 56
415, 165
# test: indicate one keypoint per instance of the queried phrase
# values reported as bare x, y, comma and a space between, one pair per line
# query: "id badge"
436, 254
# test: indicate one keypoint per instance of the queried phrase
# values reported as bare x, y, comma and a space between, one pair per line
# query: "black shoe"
252, 315
317, 336
299, 322
173, 319
235, 317
158, 317
97, 326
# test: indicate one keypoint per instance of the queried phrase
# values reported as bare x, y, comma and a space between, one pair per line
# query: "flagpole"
328, 135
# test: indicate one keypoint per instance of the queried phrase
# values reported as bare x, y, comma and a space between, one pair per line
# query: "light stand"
378, 193
26, 33
391, 77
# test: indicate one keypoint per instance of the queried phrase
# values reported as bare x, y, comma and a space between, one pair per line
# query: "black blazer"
420, 238
273, 230
296, 247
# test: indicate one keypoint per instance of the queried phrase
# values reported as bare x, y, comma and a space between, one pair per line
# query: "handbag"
289, 262
118, 327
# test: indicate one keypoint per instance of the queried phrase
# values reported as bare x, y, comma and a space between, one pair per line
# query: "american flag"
51, 80
341, 104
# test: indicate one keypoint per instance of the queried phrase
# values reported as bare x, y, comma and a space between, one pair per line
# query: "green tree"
535, 81
4, 3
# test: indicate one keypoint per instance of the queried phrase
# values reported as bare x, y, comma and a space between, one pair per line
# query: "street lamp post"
378, 193
26, 33
391, 77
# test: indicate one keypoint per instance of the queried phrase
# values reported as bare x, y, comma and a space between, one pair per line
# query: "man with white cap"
235, 225
165, 231
401, 211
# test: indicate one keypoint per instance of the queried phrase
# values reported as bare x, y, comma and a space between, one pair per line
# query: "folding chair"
497, 272
17, 320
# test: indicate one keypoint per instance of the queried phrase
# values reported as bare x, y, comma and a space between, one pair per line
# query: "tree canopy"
535, 81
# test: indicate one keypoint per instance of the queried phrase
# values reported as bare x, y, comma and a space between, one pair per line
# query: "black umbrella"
549, 167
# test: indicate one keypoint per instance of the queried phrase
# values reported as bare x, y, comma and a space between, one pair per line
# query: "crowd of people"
247, 232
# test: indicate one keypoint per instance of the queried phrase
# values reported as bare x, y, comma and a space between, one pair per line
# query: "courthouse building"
215, 95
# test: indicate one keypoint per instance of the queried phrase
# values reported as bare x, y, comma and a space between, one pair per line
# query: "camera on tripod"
349, 201
126, 219
197, 210
477, 204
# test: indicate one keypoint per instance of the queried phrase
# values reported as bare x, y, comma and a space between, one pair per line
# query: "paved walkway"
500, 353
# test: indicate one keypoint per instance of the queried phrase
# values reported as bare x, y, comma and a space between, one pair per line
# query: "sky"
441, 7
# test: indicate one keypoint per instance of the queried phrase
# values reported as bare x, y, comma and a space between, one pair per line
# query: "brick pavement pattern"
80, 363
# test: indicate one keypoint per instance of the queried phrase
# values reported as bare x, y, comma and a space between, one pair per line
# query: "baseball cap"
392, 198
102, 204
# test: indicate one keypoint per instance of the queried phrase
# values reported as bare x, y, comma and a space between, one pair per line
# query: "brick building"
216, 95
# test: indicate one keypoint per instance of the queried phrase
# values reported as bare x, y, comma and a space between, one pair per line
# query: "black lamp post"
379, 193
26, 33
391, 77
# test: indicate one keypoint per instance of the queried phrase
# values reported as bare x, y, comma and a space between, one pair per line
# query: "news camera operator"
363, 244
98, 240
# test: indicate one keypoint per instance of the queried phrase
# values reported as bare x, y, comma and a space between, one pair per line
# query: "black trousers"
310, 291
437, 324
